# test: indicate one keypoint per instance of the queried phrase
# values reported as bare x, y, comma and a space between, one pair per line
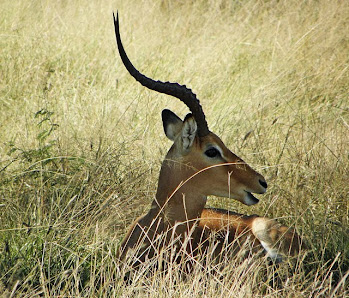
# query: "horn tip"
116, 20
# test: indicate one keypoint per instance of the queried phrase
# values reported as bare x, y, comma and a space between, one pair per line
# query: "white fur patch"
272, 253
260, 229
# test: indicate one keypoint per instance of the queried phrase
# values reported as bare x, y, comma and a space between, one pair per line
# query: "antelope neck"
174, 203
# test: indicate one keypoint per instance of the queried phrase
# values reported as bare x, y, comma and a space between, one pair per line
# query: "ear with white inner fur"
172, 124
189, 131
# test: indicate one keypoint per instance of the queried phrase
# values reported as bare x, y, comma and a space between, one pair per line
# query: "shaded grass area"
81, 143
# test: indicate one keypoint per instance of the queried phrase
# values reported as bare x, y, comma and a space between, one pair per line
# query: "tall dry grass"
81, 142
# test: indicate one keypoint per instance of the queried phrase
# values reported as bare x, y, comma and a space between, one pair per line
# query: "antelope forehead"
225, 152
214, 141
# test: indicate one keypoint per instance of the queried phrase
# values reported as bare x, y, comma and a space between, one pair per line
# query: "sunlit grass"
81, 142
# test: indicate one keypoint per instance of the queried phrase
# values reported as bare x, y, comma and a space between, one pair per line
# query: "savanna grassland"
81, 142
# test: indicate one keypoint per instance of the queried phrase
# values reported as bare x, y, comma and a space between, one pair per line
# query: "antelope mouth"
250, 199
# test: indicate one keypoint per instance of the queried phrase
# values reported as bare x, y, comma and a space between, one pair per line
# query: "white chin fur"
250, 199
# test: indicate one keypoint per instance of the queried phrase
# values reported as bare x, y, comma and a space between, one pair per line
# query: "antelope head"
198, 160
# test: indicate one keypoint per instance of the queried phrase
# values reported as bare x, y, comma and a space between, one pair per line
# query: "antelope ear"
172, 124
189, 130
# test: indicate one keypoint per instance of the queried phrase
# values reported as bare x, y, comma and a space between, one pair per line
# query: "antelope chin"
250, 199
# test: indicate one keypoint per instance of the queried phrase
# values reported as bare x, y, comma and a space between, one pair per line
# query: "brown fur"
186, 178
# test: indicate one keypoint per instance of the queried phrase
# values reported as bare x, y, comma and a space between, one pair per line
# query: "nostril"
263, 183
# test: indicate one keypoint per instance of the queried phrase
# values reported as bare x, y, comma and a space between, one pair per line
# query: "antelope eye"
212, 152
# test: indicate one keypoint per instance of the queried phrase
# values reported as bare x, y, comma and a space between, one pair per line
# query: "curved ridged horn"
180, 91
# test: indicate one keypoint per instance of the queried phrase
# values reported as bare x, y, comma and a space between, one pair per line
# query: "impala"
199, 165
